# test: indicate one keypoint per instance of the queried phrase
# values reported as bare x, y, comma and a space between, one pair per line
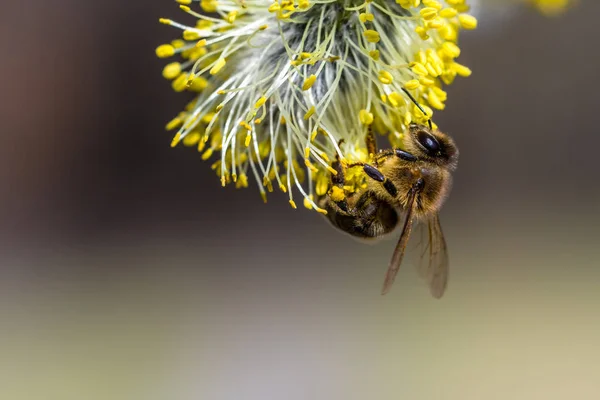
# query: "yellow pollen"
412, 84
385, 77
259, 103
309, 113
218, 66
207, 154
371, 36
337, 194
365, 117
165, 50
467, 21
308, 82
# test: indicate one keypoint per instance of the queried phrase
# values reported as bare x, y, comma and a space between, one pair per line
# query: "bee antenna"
418, 106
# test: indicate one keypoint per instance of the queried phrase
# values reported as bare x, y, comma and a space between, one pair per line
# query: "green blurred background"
127, 272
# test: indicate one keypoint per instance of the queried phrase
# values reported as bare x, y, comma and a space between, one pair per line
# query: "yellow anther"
282, 120
178, 43
176, 140
264, 196
396, 99
431, 70
257, 121
310, 166
303, 4
306, 152
246, 126
331, 170
412, 84
309, 113
274, 7
165, 50
448, 32
187, 2
174, 123
165, 21
435, 101
209, 5
197, 84
364, 17
307, 204
242, 181
259, 103
385, 77
461, 69
313, 135
422, 32
191, 139
308, 82
185, 8
203, 24
231, 16
428, 13
219, 107
374, 54
426, 81
322, 211
467, 21
263, 27
448, 12
172, 70
451, 49
365, 117
179, 84
282, 188
207, 154
191, 35
219, 64
293, 204
201, 43
371, 36
435, 23
419, 69
433, 4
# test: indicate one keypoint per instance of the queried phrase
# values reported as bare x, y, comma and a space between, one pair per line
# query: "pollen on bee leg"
337, 194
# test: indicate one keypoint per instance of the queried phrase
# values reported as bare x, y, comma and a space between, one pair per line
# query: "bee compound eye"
429, 142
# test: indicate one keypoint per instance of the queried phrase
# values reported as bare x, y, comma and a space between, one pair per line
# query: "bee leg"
336, 193
375, 174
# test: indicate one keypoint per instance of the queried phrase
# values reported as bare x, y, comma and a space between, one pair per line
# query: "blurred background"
127, 272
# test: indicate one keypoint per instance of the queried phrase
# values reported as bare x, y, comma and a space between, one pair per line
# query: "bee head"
432, 145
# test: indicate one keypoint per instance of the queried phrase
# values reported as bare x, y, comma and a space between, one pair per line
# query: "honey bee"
414, 183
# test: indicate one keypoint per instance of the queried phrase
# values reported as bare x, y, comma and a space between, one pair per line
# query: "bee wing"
398, 255
433, 252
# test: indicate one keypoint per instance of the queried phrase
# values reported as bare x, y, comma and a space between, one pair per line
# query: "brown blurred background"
127, 272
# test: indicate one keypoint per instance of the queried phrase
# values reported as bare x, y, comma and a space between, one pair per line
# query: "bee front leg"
336, 193
375, 174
